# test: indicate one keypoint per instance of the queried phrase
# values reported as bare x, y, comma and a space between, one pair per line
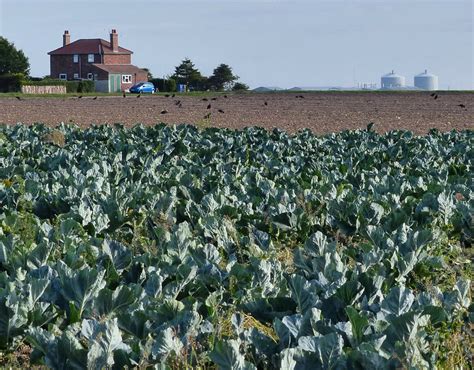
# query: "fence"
30, 89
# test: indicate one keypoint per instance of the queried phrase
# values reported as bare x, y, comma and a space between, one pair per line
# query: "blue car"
143, 87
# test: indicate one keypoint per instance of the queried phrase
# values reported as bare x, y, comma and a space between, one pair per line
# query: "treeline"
187, 77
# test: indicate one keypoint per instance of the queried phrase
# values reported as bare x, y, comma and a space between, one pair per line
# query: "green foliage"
12, 60
164, 85
240, 86
174, 246
83, 86
187, 74
11, 82
222, 78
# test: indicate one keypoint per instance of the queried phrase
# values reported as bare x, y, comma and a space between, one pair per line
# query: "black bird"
207, 116
225, 96
204, 99
436, 96
173, 96
94, 98
461, 105
220, 111
167, 95
18, 97
79, 97
265, 103
178, 102
138, 95
180, 105
432, 94
209, 106
213, 98
124, 95
301, 96
164, 111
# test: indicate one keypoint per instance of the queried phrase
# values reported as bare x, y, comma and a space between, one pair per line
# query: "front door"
114, 83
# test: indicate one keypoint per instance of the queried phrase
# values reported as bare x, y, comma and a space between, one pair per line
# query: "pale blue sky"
266, 42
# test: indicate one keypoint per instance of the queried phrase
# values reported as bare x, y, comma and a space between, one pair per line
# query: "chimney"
114, 41
66, 38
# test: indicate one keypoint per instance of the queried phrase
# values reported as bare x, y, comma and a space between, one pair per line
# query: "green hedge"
45, 83
164, 85
11, 82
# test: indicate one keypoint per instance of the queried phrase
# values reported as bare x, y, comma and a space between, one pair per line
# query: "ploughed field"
322, 112
173, 246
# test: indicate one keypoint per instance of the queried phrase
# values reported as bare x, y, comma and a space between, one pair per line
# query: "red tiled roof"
118, 68
89, 46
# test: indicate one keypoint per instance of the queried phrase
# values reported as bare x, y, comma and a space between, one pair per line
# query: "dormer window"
90, 58
75, 58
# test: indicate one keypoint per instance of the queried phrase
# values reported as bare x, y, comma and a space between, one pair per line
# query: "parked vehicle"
143, 87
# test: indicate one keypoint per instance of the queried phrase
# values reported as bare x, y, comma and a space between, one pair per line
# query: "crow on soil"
265, 103
173, 95
164, 111
124, 95
213, 98
432, 94
138, 95
461, 105
225, 96
220, 111
209, 106
79, 97
167, 95
18, 97
94, 98
204, 99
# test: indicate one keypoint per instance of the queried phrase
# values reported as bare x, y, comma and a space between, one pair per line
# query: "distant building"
105, 62
392, 81
426, 81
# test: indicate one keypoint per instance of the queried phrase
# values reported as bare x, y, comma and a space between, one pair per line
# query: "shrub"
164, 85
11, 82
86, 86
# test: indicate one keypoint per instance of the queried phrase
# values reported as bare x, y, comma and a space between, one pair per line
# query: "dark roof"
89, 46
118, 68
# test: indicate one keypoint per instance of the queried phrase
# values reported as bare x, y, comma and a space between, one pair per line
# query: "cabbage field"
177, 247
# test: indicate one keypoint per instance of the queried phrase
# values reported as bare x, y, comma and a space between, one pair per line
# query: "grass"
221, 93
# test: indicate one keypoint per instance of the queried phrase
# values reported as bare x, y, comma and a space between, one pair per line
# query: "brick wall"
65, 64
117, 59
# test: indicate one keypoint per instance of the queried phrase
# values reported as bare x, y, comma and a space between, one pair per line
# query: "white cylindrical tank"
392, 81
426, 81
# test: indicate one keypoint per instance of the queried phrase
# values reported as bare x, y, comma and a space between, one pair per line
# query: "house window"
90, 76
76, 76
90, 58
75, 58
63, 76
126, 79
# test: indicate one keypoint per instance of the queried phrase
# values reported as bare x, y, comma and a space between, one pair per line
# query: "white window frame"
90, 76
63, 76
126, 79
90, 58
76, 76
75, 58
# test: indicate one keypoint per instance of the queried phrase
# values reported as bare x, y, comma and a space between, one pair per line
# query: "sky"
282, 43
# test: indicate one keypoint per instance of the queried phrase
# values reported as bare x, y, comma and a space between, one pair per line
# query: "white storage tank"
392, 81
426, 81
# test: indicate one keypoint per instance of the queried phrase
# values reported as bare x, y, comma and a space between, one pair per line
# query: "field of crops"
174, 247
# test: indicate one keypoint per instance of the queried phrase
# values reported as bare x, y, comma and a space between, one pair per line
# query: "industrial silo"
426, 81
392, 81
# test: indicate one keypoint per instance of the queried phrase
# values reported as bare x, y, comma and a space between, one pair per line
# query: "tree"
187, 74
149, 74
11, 59
239, 86
222, 78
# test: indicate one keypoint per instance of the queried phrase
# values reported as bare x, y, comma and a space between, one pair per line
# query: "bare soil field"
322, 112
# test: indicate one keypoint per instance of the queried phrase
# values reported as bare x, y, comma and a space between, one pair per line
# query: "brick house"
105, 62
